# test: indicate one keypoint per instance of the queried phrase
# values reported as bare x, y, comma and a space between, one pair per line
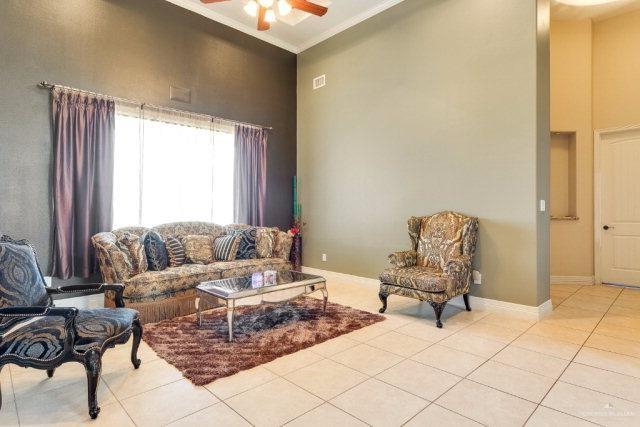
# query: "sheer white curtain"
171, 166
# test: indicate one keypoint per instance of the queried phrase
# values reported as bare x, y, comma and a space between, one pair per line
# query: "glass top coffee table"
239, 291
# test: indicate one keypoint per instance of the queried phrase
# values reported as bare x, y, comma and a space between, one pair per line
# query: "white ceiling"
309, 31
561, 11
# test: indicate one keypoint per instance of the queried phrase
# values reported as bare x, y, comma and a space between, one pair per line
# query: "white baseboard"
530, 312
582, 280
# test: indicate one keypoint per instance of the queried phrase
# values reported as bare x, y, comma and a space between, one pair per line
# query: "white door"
619, 203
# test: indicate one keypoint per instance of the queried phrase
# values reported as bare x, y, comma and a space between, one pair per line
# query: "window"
171, 166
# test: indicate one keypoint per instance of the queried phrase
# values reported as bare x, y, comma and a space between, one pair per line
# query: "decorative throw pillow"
199, 249
225, 248
175, 251
283, 245
266, 241
133, 246
156, 251
247, 243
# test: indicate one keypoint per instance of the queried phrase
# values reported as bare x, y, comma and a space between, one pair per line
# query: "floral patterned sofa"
159, 295
438, 266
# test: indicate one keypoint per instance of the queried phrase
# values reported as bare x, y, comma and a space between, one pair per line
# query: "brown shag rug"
261, 334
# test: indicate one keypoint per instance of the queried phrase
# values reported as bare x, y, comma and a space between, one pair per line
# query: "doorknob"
606, 227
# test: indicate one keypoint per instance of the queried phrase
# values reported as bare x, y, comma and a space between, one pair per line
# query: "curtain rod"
47, 85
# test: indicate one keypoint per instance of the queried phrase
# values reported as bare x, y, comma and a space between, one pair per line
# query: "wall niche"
563, 176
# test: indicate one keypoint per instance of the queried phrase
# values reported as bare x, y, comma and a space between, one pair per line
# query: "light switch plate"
324, 257
543, 205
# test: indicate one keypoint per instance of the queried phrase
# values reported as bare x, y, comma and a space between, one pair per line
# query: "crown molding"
354, 20
203, 10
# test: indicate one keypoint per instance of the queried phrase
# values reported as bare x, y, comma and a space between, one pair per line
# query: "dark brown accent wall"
133, 49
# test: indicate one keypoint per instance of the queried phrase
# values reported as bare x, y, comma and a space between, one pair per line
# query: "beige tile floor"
578, 366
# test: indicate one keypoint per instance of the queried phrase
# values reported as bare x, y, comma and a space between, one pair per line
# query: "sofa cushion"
282, 248
156, 251
181, 229
188, 276
173, 279
198, 248
132, 245
422, 278
266, 241
246, 267
440, 238
225, 248
115, 264
175, 251
247, 244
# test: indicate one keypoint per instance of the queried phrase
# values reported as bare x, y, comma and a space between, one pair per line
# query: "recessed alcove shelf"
563, 176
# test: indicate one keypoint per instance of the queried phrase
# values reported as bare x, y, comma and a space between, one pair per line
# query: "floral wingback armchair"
438, 267
35, 334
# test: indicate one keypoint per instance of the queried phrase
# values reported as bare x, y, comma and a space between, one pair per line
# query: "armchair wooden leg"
50, 372
1, 390
137, 335
93, 366
438, 307
466, 301
383, 297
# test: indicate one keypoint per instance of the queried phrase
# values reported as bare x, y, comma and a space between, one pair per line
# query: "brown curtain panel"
250, 175
83, 138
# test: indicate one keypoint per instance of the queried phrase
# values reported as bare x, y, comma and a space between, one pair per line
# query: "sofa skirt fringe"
167, 308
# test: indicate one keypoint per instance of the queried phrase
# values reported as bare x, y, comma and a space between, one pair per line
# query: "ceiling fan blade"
262, 24
307, 6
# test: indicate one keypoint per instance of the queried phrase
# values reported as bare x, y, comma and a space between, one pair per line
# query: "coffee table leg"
325, 295
199, 312
230, 310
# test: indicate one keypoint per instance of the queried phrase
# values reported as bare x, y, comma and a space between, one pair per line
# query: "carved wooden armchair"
35, 334
438, 266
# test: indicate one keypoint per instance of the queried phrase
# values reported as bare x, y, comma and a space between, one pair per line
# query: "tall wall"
594, 85
133, 49
571, 59
616, 61
429, 106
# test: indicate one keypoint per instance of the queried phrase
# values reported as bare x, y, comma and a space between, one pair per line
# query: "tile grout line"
409, 358
571, 361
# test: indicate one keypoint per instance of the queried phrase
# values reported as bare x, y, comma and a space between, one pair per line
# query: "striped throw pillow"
175, 250
225, 248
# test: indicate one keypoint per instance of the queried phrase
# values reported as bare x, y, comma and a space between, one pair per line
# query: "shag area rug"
261, 334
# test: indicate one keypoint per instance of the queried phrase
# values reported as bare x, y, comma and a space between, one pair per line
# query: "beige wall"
594, 85
430, 105
616, 71
572, 241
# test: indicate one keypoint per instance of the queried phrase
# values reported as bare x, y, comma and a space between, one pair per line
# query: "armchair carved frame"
12, 317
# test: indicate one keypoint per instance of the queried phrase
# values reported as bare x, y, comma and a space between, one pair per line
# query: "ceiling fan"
264, 9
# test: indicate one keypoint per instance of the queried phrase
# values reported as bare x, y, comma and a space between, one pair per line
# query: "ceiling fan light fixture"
284, 7
266, 3
251, 8
270, 16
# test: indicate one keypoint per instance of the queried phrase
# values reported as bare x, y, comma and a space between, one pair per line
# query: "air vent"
319, 82
181, 94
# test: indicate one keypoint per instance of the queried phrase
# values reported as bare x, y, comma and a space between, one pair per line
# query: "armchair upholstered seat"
438, 266
44, 336
34, 333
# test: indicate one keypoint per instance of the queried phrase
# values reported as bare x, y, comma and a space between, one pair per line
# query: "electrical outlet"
477, 277
324, 257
